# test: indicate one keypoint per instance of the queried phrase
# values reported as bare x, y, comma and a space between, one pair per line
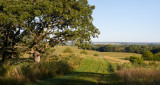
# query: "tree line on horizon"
149, 52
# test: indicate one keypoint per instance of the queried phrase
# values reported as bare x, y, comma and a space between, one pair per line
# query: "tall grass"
67, 50
140, 76
50, 66
34, 71
84, 52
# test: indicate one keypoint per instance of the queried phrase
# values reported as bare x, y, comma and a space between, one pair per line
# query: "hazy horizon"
127, 20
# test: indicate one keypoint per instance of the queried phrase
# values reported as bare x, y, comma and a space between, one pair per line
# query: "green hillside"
93, 70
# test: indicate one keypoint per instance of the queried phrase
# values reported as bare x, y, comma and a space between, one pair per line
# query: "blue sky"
127, 20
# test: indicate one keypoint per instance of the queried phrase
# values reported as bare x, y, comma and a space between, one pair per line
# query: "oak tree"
11, 16
53, 21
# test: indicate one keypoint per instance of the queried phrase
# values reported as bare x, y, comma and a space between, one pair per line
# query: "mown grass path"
94, 65
93, 71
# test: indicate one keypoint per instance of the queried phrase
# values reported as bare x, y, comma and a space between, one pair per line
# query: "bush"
84, 52
3, 70
112, 67
157, 57
148, 55
67, 50
31, 71
95, 54
136, 60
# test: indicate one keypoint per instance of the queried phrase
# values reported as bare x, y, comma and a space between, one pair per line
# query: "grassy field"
84, 67
113, 57
93, 70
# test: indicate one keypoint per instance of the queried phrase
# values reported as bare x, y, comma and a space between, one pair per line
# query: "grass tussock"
140, 76
95, 54
84, 52
67, 50
27, 72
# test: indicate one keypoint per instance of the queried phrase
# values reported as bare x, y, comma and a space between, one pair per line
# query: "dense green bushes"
31, 71
150, 56
136, 60
147, 55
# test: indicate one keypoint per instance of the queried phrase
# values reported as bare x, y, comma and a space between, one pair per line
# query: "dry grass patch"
115, 60
140, 76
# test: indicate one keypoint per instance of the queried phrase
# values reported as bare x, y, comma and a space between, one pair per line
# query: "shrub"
112, 67
147, 55
67, 50
46, 69
73, 60
157, 57
95, 54
31, 71
3, 70
84, 52
136, 60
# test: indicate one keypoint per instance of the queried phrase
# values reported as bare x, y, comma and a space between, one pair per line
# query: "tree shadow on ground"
83, 78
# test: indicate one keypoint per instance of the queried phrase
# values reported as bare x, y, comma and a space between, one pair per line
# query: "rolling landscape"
64, 42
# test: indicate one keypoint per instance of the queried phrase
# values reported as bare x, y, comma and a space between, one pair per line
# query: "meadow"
68, 65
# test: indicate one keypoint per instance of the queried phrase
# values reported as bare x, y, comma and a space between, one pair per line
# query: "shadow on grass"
16, 61
83, 78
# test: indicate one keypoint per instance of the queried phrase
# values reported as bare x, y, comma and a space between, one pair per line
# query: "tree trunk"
3, 56
12, 53
36, 55
4, 52
5, 47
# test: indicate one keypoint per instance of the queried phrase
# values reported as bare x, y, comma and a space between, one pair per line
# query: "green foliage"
67, 50
112, 67
11, 33
156, 50
27, 71
125, 48
84, 52
3, 70
157, 57
45, 70
136, 60
95, 54
150, 56
32, 22
147, 55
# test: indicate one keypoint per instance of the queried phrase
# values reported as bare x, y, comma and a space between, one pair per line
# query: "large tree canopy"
44, 21
11, 16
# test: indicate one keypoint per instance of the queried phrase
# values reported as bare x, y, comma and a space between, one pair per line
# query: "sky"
127, 20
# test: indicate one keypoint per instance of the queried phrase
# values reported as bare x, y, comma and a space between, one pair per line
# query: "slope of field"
93, 70
113, 57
